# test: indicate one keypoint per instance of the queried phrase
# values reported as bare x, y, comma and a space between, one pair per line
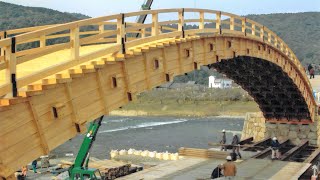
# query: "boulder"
312, 135
292, 135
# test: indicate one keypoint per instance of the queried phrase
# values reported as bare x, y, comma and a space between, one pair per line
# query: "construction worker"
236, 145
275, 145
229, 168
34, 166
223, 141
24, 170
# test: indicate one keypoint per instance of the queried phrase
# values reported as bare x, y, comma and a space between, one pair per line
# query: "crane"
145, 6
142, 18
80, 170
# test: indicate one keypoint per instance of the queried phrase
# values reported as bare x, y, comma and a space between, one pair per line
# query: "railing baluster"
121, 33
42, 41
243, 28
262, 33
181, 22
231, 23
218, 21
10, 57
253, 29
75, 41
155, 25
201, 25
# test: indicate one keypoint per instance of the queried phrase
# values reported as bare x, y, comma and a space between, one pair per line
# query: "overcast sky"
95, 8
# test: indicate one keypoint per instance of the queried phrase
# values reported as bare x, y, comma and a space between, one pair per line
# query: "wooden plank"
259, 143
313, 156
294, 150
267, 151
102, 91
44, 144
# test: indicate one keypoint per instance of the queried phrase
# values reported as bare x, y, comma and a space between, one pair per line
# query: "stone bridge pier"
256, 126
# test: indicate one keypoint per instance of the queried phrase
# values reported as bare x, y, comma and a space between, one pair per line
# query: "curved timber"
106, 67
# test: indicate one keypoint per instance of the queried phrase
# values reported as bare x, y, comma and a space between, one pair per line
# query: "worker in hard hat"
236, 145
275, 145
223, 141
229, 168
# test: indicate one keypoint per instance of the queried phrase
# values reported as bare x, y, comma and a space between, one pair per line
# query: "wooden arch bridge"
56, 78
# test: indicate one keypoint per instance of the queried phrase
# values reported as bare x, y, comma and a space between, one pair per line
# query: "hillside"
15, 16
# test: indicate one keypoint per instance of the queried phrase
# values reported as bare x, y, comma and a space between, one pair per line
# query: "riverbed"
155, 134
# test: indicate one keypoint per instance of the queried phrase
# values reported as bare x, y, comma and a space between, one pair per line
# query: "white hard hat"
224, 130
229, 158
274, 138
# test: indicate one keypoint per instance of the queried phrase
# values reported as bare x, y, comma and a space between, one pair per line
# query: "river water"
155, 134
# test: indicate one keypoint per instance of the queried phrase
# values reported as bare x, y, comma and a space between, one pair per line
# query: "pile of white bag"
146, 153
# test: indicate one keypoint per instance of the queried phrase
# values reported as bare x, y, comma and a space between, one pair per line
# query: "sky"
95, 8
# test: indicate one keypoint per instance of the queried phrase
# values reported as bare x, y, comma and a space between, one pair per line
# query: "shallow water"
155, 134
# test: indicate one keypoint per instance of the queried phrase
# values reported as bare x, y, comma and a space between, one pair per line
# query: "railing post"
75, 42
155, 24
262, 33
253, 29
121, 33
269, 37
143, 33
181, 22
10, 58
2, 50
201, 25
231, 23
101, 28
42, 41
243, 25
218, 22
276, 42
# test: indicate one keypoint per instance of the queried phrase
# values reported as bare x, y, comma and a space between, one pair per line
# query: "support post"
11, 60
75, 41
201, 25
121, 33
181, 22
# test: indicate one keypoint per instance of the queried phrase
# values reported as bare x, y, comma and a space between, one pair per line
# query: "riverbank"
188, 109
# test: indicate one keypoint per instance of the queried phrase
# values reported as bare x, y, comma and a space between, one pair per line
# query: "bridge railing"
22, 45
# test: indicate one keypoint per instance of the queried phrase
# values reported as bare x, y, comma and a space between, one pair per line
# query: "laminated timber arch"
54, 103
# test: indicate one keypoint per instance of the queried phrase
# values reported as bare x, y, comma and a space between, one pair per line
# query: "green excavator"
79, 170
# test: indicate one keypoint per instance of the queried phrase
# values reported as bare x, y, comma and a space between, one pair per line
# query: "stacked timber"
113, 169
202, 153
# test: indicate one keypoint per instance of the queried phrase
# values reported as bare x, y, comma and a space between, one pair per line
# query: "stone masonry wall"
256, 127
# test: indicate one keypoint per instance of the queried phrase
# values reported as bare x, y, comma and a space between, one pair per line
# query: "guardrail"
116, 30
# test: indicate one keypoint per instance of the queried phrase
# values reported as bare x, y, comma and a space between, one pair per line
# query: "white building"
219, 83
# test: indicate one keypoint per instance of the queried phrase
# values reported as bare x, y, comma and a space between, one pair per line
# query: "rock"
293, 127
313, 142
313, 128
292, 135
302, 135
271, 126
296, 141
312, 135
